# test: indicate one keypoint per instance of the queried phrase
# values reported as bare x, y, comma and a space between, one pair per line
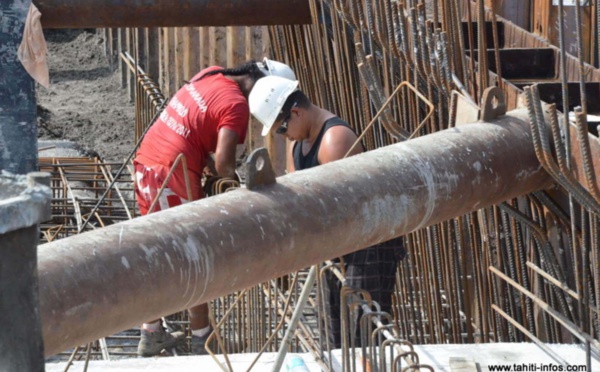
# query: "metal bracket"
463, 111
493, 104
259, 168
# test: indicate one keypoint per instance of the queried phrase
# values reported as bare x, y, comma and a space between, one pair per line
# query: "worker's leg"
153, 337
373, 269
331, 318
201, 328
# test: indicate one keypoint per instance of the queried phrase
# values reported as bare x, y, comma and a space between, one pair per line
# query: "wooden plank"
276, 144
153, 52
211, 46
540, 17
518, 12
140, 53
111, 45
161, 59
236, 48
129, 46
114, 57
106, 33
578, 171
170, 66
546, 25
191, 46
179, 54
254, 50
218, 46
204, 47
122, 66
168, 61
266, 41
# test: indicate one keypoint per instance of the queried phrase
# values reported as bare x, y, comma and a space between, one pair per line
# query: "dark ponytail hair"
249, 68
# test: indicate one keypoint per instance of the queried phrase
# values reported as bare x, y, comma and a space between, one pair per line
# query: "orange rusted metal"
166, 13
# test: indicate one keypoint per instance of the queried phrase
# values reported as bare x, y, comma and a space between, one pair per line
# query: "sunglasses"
284, 126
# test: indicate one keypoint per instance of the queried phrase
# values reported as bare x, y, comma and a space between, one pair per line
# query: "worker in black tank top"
319, 137
311, 159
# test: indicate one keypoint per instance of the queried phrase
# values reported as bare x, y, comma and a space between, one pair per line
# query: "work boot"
152, 343
199, 344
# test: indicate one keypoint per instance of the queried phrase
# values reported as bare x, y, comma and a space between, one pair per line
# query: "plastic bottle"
295, 363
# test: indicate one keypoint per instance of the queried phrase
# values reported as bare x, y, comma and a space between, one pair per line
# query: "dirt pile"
85, 102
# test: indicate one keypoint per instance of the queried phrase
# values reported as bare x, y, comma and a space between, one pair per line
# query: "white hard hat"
268, 97
274, 68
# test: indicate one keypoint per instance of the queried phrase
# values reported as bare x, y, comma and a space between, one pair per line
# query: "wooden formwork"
534, 23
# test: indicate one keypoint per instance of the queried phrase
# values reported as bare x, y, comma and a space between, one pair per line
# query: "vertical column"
18, 129
21, 346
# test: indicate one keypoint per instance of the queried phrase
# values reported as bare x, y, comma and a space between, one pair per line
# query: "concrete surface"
524, 355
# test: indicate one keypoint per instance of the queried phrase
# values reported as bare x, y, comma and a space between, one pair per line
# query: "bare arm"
336, 143
290, 157
225, 153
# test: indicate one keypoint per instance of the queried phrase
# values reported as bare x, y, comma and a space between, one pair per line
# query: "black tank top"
311, 159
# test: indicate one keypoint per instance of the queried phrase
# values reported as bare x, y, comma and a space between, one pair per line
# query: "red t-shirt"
190, 125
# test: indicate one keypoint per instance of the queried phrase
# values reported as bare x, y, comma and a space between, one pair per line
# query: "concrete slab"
239, 362
519, 356
523, 355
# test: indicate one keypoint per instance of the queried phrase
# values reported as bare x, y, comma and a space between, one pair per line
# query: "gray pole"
18, 130
21, 345
23, 205
291, 331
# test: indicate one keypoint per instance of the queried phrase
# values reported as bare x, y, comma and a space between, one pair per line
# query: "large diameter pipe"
101, 282
171, 13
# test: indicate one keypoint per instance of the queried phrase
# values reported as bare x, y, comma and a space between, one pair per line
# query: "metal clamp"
493, 104
260, 170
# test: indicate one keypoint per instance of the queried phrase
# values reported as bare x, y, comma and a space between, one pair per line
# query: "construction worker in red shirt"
210, 114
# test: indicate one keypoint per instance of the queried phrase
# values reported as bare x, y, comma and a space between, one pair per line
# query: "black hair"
249, 68
298, 98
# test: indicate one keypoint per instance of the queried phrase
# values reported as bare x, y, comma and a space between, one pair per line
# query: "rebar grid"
445, 291
77, 185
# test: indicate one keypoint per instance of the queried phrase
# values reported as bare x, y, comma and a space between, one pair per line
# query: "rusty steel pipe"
169, 13
104, 281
